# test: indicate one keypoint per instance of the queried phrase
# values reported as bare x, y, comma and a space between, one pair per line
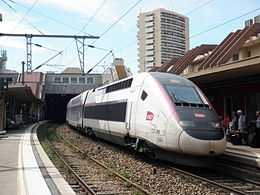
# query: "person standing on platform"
257, 128
226, 122
233, 124
242, 126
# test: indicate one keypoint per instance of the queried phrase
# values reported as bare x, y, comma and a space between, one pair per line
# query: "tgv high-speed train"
150, 112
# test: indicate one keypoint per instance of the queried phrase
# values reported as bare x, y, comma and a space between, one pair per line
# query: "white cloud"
86, 8
19, 43
16, 23
11, 24
12, 43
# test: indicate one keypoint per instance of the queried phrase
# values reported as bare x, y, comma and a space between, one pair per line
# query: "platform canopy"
233, 70
21, 93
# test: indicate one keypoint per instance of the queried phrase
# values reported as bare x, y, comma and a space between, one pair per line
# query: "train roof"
77, 100
169, 78
164, 78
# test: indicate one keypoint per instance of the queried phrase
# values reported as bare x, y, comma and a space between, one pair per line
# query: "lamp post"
3, 90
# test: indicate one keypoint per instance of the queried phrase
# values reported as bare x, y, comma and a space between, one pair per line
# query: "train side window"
144, 95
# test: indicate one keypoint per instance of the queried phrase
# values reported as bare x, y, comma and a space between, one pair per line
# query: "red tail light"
149, 116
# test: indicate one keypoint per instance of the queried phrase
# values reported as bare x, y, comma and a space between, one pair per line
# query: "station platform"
25, 168
243, 154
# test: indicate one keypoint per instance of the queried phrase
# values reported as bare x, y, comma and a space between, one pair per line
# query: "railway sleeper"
113, 192
252, 191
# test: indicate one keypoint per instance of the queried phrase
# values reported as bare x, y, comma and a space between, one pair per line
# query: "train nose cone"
195, 146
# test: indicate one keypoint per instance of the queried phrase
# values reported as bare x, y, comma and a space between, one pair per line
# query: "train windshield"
184, 94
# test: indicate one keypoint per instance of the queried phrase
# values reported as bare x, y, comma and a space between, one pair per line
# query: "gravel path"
157, 179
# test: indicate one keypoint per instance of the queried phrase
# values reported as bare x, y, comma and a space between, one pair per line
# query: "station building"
228, 73
23, 99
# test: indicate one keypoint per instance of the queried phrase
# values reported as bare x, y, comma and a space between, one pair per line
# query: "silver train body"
159, 111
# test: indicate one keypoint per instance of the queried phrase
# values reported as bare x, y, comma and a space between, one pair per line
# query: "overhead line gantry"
80, 43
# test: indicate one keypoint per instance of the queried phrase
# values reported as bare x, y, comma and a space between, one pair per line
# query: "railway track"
83, 183
231, 183
224, 178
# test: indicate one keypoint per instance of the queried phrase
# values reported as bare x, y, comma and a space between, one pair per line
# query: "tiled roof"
229, 46
167, 65
220, 53
187, 59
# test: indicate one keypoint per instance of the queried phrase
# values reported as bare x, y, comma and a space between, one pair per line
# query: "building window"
74, 80
57, 80
90, 80
235, 57
82, 80
65, 80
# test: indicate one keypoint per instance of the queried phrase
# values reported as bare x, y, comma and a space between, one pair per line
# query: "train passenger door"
128, 115
83, 111
131, 108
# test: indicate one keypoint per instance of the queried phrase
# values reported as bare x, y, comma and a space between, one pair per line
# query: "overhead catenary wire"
224, 23
119, 19
49, 17
93, 16
39, 45
199, 7
88, 22
116, 22
8, 5
188, 13
48, 60
26, 13
16, 12
110, 52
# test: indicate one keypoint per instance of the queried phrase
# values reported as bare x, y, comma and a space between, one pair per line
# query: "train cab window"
183, 94
144, 95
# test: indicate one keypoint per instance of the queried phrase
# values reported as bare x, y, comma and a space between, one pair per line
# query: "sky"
69, 17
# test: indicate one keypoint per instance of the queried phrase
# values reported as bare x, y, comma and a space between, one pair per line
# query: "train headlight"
187, 123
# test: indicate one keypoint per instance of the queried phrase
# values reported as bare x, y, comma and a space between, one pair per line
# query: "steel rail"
140, 188
82, 183
199, 176
207, 180
175, 169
